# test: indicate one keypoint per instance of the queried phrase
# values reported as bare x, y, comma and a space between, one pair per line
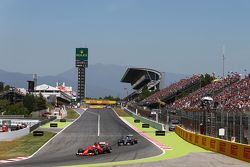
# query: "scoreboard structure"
81, 64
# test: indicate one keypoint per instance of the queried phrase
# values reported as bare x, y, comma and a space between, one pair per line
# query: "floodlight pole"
223, 99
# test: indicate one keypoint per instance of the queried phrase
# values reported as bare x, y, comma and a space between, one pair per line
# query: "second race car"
127, 140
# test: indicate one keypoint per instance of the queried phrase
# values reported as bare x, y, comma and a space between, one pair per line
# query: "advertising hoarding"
81, 57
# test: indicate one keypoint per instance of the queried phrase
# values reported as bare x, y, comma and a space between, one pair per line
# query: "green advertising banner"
82, 54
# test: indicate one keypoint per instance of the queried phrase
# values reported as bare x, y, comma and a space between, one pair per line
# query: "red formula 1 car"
97, 148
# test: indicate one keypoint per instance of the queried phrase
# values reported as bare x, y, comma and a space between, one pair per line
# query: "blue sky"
40, 36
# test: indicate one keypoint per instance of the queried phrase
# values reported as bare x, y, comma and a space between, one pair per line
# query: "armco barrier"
232, 149
152, 123
32, 128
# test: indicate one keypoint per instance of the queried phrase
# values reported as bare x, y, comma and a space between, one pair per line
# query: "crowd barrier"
152, 123
232, 149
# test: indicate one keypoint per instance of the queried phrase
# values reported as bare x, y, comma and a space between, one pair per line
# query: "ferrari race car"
97, 148
127, 140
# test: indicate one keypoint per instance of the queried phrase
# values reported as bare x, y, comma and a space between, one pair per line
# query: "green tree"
41, 103
206, 79
3, 105
144, 94
30, 103
16, 109
1, 86
7, 87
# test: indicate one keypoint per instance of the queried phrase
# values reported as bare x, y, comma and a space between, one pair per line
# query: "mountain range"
101, 79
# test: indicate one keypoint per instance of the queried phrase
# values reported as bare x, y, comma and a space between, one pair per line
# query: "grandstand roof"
139, 77
45, 87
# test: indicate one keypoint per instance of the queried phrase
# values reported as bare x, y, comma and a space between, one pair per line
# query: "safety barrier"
232, 149
32, 128
152, 123
12, 135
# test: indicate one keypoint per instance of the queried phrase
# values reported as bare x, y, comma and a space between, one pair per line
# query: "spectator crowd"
170, 90
193, 100
230, 94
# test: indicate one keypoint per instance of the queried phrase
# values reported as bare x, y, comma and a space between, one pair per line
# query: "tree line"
29, 104
4, 87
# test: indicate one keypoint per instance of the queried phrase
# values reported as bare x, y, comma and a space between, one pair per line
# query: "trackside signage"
82, 54
81, 57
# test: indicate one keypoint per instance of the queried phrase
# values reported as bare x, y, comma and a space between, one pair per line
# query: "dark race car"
97, 148
173, 124
127, 140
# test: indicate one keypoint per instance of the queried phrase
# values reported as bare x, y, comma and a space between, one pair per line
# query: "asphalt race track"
82, 133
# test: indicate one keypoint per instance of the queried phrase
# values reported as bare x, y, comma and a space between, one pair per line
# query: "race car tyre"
96, 152
80, 150
107, 150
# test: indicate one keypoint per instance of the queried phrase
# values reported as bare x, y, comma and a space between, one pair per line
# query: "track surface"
83, 133
195, 160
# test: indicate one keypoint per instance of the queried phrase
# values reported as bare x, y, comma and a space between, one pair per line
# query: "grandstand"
192, 100
228, 109
169, 93
141, 78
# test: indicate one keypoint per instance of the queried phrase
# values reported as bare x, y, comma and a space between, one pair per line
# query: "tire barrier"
137, 121
145, 125
232, 149
62, 120
53, 125
38, 133
159, 133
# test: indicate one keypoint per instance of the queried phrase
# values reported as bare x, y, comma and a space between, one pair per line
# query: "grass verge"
180, 147
24, 146
60, 125
71, 114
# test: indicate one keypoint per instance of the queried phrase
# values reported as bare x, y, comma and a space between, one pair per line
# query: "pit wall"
151, 123
235, 150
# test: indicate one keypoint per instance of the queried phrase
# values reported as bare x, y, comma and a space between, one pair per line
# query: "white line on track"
98, 122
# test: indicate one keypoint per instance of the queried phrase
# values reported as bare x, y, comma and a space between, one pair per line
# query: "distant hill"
101, 79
